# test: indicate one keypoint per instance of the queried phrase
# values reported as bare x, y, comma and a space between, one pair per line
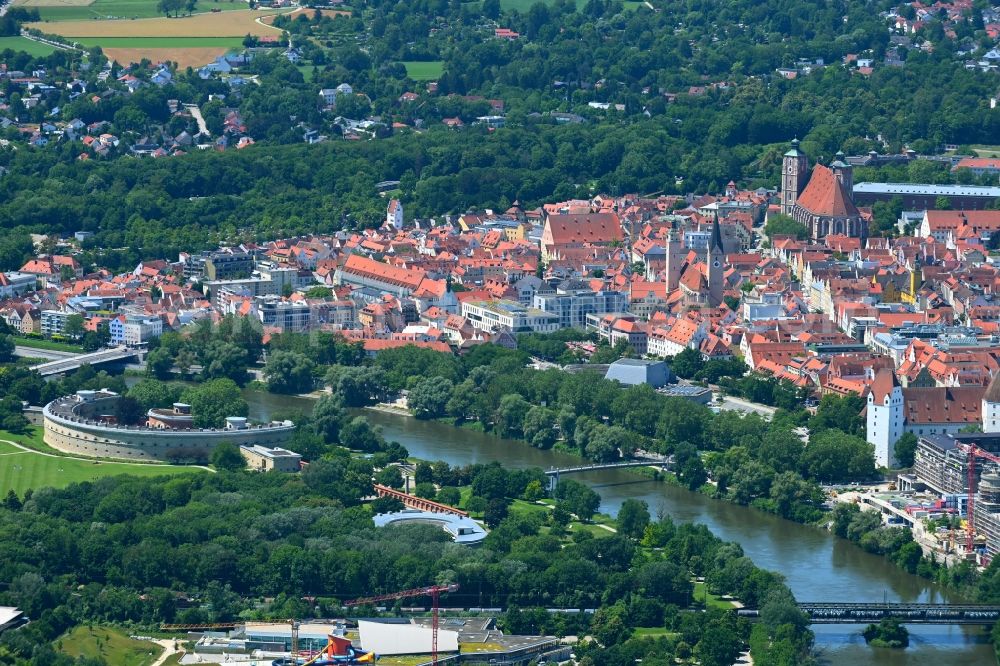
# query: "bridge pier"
553, 482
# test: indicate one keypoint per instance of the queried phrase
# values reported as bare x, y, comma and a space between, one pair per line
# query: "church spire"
716, 242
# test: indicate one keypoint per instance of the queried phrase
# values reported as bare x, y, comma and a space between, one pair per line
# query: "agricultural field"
424, 71
107, 644
26, 45
76, 10
237, 23
20, 470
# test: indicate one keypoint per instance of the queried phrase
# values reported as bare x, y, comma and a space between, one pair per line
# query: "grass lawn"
702, 595
424, 71
160, 42
632, 6
38, 343
20, 471
307, 72
52, 10
107, 644
987, 151
26, 45
524, 5
653, 632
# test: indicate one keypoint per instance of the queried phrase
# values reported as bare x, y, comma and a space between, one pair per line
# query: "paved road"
49, 354
196, 114
733, 404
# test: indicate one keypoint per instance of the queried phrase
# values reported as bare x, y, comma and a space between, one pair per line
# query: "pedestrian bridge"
69, 363
554, 474
864, 613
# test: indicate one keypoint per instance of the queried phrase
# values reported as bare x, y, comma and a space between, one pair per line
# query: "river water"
817, 565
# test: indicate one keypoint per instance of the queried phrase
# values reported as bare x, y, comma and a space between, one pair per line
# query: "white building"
494, 315
139, 329
893, 411
394, 214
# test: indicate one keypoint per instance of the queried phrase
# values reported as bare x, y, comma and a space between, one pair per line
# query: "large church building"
822, 200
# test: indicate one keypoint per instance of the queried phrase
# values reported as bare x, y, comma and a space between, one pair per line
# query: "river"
817, 565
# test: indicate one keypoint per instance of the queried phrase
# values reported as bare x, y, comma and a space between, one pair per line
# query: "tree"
225, 359
227, 456
633, 517
159, 363
783, 225
579, 499
387, 505
6, 349
839, 412
73, 327
289, 372
905, 450
495, 513
214, 400
360, 435
390, 476
429, 396
833, 456
152, 393
11, 502
327, 417
510, 415
129, 411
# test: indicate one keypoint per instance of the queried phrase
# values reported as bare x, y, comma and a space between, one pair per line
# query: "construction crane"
973, 452
433, 591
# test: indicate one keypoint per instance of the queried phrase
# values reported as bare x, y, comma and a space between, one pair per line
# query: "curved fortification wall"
78, 424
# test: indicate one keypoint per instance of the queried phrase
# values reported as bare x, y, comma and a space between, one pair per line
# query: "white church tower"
394, 214
991, 406
885, 416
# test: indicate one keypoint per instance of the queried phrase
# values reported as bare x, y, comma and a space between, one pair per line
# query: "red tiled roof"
826, 196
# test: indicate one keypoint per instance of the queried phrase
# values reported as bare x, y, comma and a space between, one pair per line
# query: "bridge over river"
554, 473
864, 613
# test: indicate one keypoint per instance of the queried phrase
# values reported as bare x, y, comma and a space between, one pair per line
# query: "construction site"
422, 639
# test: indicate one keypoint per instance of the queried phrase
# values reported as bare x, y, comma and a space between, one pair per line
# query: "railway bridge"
907, 613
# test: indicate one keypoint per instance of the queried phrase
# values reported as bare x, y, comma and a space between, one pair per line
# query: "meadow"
424, 71
107, 644
26, 45
20, 470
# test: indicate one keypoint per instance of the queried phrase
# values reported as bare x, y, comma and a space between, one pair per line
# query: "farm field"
161, 42
20, 470
184, 57
26, 45
75, 10
109, 645
424, 71
224, 24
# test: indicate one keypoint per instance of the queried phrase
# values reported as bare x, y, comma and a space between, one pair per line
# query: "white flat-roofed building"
499, 314
10, 617
388, 639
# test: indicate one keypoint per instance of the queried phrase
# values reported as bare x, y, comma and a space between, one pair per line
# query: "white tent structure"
390, 639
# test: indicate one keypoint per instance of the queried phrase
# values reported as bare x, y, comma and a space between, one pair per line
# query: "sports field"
26, 45
75, 10
424, 71
20, 470
109, 645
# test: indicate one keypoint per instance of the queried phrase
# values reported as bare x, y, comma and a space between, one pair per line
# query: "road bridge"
554, 473
59, 366
865, 613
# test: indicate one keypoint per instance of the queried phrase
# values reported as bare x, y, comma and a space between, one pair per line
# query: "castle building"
823, 201
892, 411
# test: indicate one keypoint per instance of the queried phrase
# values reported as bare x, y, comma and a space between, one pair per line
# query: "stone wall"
83, 436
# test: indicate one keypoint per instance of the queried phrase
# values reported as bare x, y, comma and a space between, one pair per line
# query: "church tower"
794, 172
675, 257
716, 268
991, 406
